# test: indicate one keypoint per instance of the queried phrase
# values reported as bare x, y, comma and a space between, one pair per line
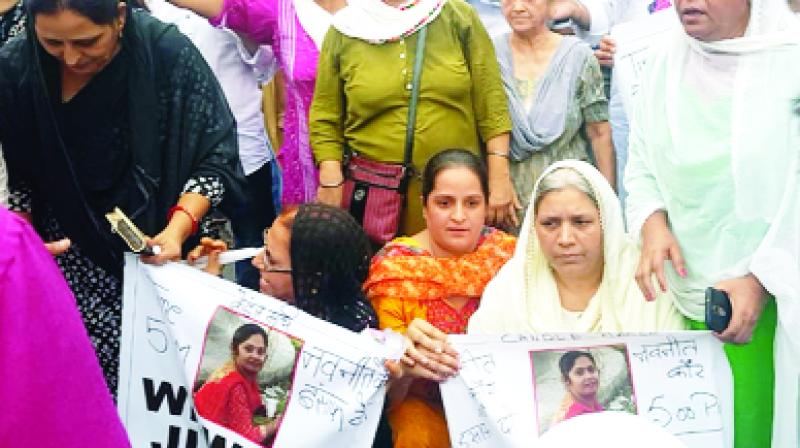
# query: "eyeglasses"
268, 264
269, 268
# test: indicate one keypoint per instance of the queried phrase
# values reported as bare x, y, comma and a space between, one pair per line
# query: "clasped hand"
427, 355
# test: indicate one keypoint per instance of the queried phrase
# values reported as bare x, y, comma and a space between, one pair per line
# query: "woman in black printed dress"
12, 19
102, 106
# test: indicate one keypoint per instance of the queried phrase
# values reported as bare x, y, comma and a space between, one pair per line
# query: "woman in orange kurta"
437, 275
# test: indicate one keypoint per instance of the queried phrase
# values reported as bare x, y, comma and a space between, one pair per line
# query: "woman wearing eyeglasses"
315, 257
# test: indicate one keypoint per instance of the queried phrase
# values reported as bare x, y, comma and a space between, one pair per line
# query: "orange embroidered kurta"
407, 282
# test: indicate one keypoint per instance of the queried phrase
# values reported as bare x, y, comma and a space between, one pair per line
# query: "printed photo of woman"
245, 377
577, 381
231, 396
581, 380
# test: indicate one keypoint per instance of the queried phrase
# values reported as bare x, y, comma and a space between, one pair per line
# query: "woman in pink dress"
53, 389
295, 29
581, 379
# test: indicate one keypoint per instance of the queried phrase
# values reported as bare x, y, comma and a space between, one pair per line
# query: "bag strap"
412, 107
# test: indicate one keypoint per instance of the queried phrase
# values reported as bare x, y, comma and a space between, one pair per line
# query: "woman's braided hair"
330, 261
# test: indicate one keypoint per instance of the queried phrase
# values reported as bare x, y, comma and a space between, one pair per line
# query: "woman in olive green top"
363, 89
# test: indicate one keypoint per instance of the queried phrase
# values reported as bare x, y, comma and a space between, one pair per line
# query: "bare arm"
658, 246
331, 183
599, 134
179, 228
748, 298
571, 9
503, 202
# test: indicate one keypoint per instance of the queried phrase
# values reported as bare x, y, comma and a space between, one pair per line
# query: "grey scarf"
535, 129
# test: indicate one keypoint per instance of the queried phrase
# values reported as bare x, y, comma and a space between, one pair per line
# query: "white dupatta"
314, 19
376, 22
523, 297
763, 68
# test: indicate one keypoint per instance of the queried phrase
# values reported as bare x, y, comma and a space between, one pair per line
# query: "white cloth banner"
321, 384
634, 40
510, 391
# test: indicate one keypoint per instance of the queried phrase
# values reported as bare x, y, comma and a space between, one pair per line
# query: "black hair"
567, 361
330, 261
100, 12
453, 158
244, 332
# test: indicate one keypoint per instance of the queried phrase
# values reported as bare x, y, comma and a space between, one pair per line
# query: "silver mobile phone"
127, 230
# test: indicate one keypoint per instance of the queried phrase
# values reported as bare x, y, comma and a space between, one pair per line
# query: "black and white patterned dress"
96, 129
98, 293
12, 22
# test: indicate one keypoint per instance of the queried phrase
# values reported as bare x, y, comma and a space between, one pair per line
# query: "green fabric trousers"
753, 370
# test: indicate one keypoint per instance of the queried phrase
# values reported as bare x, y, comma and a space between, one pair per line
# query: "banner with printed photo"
189, 341
513, 389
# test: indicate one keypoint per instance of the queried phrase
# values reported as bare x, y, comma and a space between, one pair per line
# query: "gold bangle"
498, 154
339, 184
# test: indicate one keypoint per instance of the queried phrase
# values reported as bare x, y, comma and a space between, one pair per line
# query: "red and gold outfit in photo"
231, 402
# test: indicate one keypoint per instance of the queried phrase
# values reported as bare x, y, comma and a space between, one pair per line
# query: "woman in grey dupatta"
555, 96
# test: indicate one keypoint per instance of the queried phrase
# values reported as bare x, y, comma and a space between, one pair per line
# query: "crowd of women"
512, 218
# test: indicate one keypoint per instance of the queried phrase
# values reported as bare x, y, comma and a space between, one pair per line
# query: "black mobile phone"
718, 310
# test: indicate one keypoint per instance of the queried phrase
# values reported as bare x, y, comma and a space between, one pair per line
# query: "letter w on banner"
310, 383
516, 389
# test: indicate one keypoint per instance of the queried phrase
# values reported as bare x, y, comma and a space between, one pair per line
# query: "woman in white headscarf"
573, 268
714, 188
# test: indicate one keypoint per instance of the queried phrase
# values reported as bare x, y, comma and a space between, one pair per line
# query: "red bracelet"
180, 208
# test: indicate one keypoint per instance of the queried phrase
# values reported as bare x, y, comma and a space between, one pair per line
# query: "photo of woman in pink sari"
582, 380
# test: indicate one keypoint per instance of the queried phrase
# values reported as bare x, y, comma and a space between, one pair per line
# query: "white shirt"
239, 73
604, 14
